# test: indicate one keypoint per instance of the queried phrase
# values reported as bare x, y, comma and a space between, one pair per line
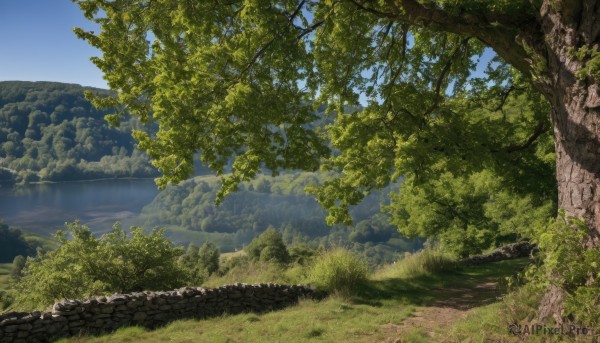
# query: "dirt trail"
452, 305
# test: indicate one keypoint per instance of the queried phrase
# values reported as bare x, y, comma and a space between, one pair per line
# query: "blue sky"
37, 43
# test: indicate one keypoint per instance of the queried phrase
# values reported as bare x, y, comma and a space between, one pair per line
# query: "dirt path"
452, 305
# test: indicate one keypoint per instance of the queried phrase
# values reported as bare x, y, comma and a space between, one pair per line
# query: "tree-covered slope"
278, 202
50, 132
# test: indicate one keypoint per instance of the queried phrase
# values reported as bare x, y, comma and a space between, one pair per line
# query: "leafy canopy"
237, 80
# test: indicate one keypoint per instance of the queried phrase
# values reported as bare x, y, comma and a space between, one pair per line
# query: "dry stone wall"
507, 252
149, 309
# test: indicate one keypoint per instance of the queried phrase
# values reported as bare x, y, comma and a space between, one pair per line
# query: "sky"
37, 43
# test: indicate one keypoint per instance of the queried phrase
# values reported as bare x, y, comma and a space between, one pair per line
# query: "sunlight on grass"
360, 318
416, 335
330, 320
426, 261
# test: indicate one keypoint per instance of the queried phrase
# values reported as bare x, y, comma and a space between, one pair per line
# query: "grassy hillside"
374, 314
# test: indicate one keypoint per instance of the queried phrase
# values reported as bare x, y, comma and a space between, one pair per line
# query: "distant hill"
50, 132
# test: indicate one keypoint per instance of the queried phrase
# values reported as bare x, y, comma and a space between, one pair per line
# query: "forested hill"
189, 213
50, 132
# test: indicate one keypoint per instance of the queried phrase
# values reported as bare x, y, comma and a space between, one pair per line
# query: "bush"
272, 242
233, 262
85, 266
6, 299
302, 254
569, 265
339, 271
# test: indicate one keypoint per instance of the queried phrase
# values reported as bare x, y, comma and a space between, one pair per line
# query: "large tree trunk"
568, 25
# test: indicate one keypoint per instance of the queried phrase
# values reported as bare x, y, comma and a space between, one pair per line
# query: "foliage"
302, 254
371, 102
247, 72
468, 214
235, 82
268, 247
190, 262
569, 265
591, 57
17, 267
339, 271
6, 299
240, 262
14, 243
86, 265
50, 132
200, 263
208, 256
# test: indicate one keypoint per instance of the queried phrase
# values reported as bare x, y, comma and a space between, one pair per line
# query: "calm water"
44, 208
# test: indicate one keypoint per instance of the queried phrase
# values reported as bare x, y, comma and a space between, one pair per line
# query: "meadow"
394, 304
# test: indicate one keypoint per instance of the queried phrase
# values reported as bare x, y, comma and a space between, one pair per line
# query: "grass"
362, 318
227, 255
257, 272
331, 320
424, 262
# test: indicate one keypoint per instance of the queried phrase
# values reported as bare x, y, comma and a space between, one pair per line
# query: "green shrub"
566, 263
338, 271
241, 261
6, 299
271, 241
302, 254
86, 265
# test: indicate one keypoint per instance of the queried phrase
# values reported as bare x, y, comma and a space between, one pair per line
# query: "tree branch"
443, 75
540, 129
498, 30
360, 5
537, 132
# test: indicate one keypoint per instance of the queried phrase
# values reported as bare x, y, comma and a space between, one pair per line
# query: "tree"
208, 256
17, 266
196, 271
233, 81
13, 243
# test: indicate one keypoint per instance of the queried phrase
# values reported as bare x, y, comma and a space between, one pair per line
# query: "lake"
43, 208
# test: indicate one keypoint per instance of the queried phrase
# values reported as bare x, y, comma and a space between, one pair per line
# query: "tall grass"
338, 271
427, 261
